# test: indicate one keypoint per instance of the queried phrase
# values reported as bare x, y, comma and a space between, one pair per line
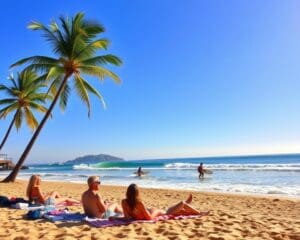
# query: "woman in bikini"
133, 207
36, 196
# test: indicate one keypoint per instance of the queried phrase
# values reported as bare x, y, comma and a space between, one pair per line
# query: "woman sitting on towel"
36, 196
133, 207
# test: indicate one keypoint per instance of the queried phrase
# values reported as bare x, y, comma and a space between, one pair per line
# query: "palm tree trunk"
12, 176
8, 131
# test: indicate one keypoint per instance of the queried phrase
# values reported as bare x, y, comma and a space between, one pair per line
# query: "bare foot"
189, 199
205, 213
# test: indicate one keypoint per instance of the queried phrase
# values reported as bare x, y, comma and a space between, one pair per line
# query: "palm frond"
8, 101
55, 72
94, 91
38, 107
82, 92
9, 91
99, 72
9, 109
54, 85
36, 60
51, 36
90, 48
64, 97
104, 59
19, 118
43, 67
30, 119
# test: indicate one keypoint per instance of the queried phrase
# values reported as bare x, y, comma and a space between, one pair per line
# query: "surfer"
140, 172
201, 171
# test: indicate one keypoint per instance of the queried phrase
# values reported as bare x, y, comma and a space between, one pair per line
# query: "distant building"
5, 162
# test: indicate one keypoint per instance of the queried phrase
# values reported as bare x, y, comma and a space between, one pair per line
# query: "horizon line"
200, 157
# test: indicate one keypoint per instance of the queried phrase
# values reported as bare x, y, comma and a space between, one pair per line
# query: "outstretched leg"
189, 210
115, 207
54, 194
175, 209
66, 200
183, 208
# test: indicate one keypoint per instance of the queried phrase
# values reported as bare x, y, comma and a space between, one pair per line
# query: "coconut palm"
75, 43
24, 96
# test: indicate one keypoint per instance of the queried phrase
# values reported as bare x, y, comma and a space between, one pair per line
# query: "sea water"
276, 174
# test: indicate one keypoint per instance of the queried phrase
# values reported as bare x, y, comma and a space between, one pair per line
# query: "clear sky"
200, 78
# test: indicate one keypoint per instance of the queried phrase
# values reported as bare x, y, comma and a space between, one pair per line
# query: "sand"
231, 216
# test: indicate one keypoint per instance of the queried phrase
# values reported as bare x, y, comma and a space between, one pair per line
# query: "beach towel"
66, 204
47, 207
97, 222
64, 216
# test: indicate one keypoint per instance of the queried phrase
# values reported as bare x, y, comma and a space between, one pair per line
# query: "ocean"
272, 174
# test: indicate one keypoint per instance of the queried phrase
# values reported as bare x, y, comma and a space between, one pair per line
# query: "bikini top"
34, 196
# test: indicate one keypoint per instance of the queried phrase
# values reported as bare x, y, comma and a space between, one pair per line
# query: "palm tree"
24, 96
75, 43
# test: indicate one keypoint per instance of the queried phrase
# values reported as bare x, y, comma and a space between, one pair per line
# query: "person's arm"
42, 199
101, 205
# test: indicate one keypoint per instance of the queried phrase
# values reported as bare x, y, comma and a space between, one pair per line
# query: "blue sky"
200, 78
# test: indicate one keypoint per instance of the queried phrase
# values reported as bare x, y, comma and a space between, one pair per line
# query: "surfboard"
207, 171
143, 174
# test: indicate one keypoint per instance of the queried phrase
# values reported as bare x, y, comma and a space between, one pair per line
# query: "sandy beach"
231, 216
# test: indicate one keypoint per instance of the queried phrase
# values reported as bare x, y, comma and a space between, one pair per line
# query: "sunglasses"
98, 182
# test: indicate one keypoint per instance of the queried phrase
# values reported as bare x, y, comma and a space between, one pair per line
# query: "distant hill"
93, 159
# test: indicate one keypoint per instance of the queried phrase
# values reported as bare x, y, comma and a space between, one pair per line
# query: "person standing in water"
140, 172
201, 171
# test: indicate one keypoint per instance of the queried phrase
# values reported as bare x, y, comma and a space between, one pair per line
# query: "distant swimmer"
201, 171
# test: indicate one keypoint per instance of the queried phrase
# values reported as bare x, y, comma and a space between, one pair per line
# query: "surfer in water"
201, 171
140, 172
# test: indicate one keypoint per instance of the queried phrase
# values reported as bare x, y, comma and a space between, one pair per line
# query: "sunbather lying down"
36, 196
134, 208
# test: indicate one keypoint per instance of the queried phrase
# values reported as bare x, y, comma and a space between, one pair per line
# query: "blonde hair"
34, 179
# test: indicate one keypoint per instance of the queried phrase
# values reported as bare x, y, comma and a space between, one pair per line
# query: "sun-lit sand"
231, 217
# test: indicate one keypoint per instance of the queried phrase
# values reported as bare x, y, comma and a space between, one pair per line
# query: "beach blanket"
64, 216
97, 222
30, 207
66, 204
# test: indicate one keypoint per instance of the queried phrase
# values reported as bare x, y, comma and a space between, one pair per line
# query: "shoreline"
232, 216
258, 195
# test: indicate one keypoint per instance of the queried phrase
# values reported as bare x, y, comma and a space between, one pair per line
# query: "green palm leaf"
99, 72
19, 118
64, 96
101, 60
92, 90
82, 92
30, 119
24, 93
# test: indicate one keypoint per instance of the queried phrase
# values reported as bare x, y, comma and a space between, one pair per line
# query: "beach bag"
34, 214
4, 201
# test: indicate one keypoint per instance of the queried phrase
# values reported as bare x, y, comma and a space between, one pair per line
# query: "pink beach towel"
66, 204
97, 222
